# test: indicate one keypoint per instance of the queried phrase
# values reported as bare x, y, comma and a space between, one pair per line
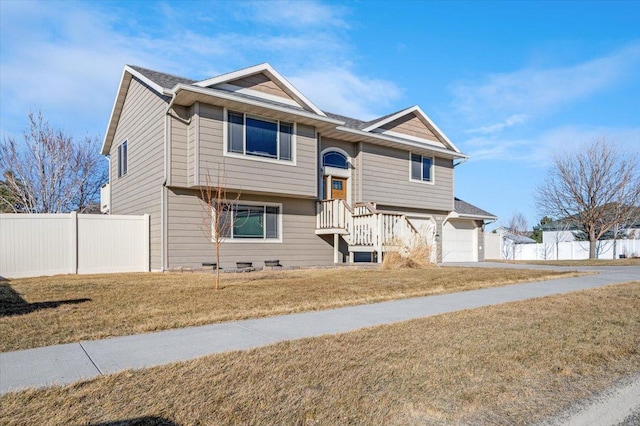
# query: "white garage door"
459, 241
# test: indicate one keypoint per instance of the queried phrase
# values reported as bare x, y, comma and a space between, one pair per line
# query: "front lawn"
68, 308
574, 263
509, 364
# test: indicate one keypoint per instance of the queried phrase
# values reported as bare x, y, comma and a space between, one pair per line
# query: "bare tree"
9, 203
621, 230
559, 232
594, 187
50, 172
518, 225
217, 213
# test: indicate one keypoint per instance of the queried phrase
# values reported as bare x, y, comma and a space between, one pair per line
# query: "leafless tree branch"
49, 172
596, 188
217, 213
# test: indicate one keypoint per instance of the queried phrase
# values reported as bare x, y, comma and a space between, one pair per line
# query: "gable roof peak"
417, 111
271, 72
154, 78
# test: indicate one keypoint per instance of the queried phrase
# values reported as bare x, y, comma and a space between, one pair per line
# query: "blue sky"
510, 83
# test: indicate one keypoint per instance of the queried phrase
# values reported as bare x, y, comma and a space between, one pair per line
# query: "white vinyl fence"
568, 250
48, 244
492, 246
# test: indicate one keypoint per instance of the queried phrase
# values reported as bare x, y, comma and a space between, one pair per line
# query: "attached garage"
459, 241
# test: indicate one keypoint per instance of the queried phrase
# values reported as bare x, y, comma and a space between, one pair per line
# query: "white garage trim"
459, 241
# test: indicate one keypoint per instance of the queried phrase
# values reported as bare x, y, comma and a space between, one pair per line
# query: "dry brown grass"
574, 263
509, 364
417, 258
412, 253
50, 310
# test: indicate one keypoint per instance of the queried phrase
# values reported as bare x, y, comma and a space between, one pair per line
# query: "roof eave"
127, 74
479, 217
231, 97
408, 143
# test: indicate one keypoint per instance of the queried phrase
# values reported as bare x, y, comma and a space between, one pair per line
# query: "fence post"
380, 227
147, 243
73, 267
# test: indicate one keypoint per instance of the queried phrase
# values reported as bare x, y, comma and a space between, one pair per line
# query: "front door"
338, 188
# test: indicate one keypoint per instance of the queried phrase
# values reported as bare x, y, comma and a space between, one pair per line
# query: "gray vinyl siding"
189, 244
357, 175
261, 83
348, 147
385, 180
192, 129
141, 124
250, 174
179, 147
411, 125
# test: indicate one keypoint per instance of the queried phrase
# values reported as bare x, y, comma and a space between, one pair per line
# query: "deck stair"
362, 226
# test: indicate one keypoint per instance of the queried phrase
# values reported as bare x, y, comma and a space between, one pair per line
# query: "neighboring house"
315, 188
564, 231
512, 237
510, 242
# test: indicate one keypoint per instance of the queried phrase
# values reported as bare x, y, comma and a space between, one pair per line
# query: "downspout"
163, 197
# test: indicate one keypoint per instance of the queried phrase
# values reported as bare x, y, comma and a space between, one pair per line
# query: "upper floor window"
260, 137
421, 168
122, 159
335, 159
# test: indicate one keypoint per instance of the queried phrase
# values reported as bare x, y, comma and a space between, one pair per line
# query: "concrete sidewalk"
63, 364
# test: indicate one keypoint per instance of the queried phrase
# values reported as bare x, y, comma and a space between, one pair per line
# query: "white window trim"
244, 156
255, 240
433, 169
337, 172
329, 172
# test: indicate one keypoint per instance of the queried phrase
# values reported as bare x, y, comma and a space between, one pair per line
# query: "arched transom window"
335, 159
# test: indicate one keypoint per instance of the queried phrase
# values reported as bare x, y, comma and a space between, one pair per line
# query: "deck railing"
332, 214
363, 224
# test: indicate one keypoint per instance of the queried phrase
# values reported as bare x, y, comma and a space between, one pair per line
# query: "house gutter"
405, 142
231, 97
462, 160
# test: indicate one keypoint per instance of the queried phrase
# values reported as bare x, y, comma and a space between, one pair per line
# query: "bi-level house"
314, 188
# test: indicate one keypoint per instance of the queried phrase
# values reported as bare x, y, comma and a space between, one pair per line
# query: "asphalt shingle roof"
463, 207
352, 123
168, 81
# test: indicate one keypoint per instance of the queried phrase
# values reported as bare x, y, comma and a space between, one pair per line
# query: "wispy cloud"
297, 13
341, 91
538, 150
67, 60
509, 122
533, 91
